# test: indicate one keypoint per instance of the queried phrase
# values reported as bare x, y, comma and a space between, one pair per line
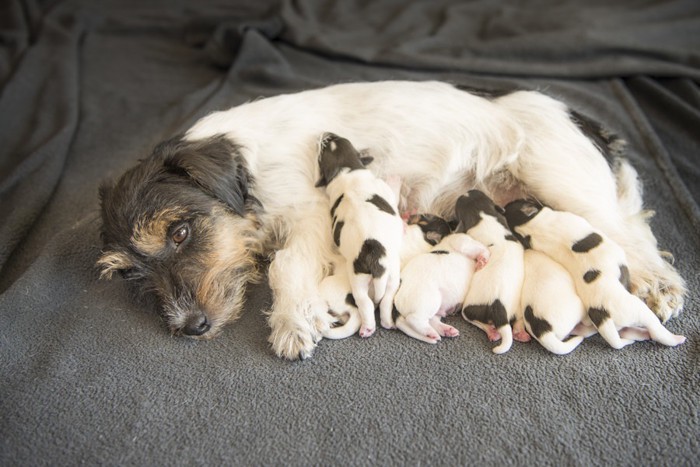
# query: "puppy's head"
180, 225
434, 228
518, 214
470, 208
337, 154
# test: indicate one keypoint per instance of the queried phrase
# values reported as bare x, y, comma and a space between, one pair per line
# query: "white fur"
554, 233
501, 279
441, 141
432, 285
363, 221
549, 291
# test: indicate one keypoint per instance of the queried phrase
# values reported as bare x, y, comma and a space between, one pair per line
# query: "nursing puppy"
552, 308
598, 267
421, 233
433, 284
493, 301
366, 228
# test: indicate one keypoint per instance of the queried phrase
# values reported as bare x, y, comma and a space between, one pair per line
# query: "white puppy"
552, 308
366, 228
598, 267
434, 283
493, 301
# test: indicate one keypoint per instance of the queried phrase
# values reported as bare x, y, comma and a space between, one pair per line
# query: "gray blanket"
91, 376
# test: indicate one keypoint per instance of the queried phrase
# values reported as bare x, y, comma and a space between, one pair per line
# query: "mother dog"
190, 222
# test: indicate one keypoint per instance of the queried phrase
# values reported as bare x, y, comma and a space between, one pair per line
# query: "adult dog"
190, 222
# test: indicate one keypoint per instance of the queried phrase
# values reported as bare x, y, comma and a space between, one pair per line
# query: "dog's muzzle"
196, 325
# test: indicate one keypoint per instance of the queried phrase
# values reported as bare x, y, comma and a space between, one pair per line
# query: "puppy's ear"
214, 164
115, 261
365, 158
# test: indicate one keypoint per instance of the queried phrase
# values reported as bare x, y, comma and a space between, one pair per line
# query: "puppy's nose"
196, 326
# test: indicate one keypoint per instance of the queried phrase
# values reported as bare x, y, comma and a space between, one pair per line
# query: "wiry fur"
598, 267
441, 141
433, 284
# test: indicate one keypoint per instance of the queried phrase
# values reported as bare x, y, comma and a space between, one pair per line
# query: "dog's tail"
550, 342
350, 327
506, 333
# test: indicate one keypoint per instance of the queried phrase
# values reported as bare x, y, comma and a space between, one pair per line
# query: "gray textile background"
88, 375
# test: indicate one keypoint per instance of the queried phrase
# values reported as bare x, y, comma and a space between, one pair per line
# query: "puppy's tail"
506, 333
550, 342
657, 331
350, 327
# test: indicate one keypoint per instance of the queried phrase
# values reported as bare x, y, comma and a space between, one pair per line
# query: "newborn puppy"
421, 233
552, 308
366, 228
598, 267
493, 300
434, 283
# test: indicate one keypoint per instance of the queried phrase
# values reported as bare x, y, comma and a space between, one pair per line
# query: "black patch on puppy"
538, 326
350, 300
625, 277
591, 275
367, 261
598, 315
511, 238
434, 228
336, 204
440, 252
470, 206
587, 244
337, 153
520, 212
382, 204
495, 313
336, 232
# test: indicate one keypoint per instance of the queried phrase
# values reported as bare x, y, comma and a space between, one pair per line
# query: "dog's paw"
366, 331
665, 299
292, 335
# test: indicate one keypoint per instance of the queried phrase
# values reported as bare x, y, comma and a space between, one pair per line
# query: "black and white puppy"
598, 267
421, 233
433, 284
367, 228
493, 300
552, 308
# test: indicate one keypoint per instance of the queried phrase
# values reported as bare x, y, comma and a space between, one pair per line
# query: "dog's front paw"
665, 299
293, 335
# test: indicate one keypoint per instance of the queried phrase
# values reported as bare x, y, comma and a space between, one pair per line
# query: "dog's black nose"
196, 326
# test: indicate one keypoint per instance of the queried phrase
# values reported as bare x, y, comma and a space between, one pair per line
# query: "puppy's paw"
481, 262
492, 334
366, 331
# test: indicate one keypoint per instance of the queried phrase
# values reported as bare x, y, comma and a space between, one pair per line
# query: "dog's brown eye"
180, 235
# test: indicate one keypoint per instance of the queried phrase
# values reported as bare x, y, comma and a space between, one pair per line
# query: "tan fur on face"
150, 235
111, 262
230, 265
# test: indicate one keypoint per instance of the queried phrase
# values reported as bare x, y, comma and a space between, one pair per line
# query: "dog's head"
518, 214
180, 225
470, 208
434, 228
337, 154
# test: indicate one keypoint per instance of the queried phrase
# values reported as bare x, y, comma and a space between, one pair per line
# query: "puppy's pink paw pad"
366, 331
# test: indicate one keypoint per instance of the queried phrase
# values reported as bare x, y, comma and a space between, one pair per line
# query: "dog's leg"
386, 306
360, 290
299, 314
417, 328
445, 330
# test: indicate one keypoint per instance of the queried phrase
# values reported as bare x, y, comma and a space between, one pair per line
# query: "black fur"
335, 206
434, 228
598, 315
495, 313
538, 326
440, 252
350, 300
520, 212
587, 243
591, 275
382, 204
469, 208
367, 261
625, 277
337, 229
345, 156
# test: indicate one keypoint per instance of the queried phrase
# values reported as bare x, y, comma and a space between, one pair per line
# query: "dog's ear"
214, 164
365, 158
115, 261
